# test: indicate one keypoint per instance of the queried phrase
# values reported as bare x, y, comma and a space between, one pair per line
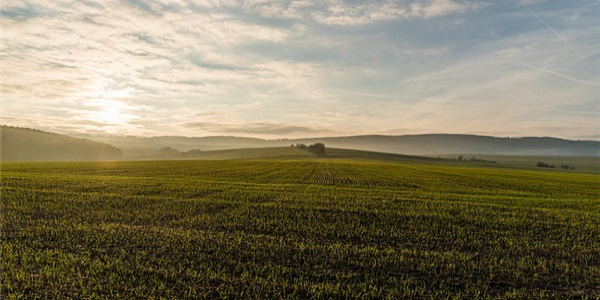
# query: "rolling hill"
22, 144
427, 144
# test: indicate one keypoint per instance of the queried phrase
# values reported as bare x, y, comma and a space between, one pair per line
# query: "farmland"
301, 228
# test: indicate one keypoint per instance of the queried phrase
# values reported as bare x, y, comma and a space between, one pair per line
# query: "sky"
302, 68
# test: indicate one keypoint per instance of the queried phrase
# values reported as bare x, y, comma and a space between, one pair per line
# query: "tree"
317, 148
542, 164
567, 167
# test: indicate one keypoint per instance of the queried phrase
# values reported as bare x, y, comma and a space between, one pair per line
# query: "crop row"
313, 229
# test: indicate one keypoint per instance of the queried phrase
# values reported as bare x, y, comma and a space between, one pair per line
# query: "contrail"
563, 76
555, 33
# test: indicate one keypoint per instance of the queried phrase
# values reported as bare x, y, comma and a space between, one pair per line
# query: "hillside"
580, 164
255, 153
435, 144
427, 144
22, 144
295, 153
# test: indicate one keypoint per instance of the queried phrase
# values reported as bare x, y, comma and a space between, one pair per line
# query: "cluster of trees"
474, 159
316, 148
542, 164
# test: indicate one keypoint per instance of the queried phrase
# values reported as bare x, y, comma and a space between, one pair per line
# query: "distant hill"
142, 144
437, 144
426, 144
296, 153
22, 144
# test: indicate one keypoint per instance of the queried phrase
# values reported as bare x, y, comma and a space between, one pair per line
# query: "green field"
581, 164
302, 228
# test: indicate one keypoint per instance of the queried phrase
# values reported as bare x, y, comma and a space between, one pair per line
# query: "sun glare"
109, 112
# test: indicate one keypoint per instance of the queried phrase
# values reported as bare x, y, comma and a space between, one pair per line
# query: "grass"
297, 229
256, 153
582, 164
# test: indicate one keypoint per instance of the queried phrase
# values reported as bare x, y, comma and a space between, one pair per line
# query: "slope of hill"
581, 164
295, 153
435, 144
255, 153
22, 144
134, 143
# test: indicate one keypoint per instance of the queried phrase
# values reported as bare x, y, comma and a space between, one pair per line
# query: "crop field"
296, 229
589, 165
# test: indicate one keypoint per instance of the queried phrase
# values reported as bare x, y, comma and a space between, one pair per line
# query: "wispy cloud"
337, 12
256, 129
298, 68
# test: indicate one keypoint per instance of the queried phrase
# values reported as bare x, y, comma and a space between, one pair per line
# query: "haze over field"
23, 144
295, 69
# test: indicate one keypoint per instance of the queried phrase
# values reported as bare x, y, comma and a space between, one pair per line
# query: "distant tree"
460, 158
168, 151
567, 167
542, 164
317, 148
475, 159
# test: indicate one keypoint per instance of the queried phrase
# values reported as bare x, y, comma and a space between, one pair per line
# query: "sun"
110, 112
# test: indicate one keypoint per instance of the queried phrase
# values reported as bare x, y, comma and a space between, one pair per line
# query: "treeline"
474, 159
316, 148
168, 152
542, 164
24, 144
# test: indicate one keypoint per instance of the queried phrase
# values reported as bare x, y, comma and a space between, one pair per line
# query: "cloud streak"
252, 128
564, 76
560, 37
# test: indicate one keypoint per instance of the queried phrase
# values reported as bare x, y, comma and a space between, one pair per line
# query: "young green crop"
296, 229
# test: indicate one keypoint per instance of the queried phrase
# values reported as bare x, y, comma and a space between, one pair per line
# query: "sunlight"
110, 112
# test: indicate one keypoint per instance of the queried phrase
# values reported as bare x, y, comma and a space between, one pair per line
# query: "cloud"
435, 8
257, 128
341, 13
298, 67
338, 12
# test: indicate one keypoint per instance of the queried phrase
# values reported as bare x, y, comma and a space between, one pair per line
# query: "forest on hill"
23, 144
